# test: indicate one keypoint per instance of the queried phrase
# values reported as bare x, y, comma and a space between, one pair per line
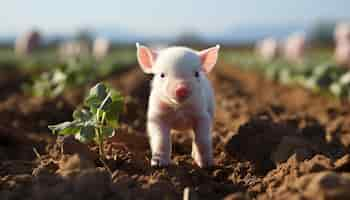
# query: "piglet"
181, 98
342, 53
294, 48
101, 48
342, 32
267, 49
27, 43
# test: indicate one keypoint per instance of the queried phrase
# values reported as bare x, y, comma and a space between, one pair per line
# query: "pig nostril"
181, 92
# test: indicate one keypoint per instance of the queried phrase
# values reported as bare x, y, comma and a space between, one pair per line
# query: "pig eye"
196, 74
162, 75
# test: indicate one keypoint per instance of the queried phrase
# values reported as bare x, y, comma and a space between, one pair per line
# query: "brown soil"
271, 142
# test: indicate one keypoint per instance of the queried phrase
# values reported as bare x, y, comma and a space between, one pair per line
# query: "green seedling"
341, 88
52, 83
97, 120
319, 74
48, 84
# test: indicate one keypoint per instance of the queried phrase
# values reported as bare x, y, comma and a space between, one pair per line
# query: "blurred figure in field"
342, 32
101, 48
27, 43
268, 49
73, 49
342, 44
294, 48
342, 53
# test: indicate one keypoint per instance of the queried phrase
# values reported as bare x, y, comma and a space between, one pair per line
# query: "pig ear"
146, 58
209, 57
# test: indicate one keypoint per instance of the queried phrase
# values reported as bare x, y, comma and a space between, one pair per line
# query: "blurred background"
158, 22
268, 139
67, 39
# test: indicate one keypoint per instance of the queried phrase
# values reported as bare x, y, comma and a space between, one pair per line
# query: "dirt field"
271, 142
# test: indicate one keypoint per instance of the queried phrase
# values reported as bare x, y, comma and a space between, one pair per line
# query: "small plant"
48, 84
97, 119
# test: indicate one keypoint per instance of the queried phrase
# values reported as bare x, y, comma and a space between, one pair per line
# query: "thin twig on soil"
37, 154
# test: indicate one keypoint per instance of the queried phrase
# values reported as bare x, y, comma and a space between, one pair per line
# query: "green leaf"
96, 96
112, 119
105, 103
115, 102
82, 115
65, 128
114, 109
336, 89
57, 90
86, 134
99, 91
112, 115
115, 95
107, 131
93, 103
311, 83
285, 76
58, 77
345, 78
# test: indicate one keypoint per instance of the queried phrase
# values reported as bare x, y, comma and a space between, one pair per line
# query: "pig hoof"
159, 162
205, 164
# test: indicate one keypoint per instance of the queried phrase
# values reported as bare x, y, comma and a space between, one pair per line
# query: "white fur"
165, 113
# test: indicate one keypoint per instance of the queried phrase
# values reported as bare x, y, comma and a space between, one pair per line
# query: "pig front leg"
202, 150
160, 142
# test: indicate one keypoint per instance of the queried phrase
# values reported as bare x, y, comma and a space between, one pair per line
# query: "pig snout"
182, 91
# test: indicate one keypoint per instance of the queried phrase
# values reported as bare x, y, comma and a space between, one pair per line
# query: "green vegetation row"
49, 57
52, 75
318, 72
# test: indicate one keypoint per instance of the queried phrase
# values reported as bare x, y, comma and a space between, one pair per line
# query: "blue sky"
159, 17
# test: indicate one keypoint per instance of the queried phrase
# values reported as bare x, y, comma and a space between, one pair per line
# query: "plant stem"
99, 142
106, 166
103, 118
101, 150
99, 135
